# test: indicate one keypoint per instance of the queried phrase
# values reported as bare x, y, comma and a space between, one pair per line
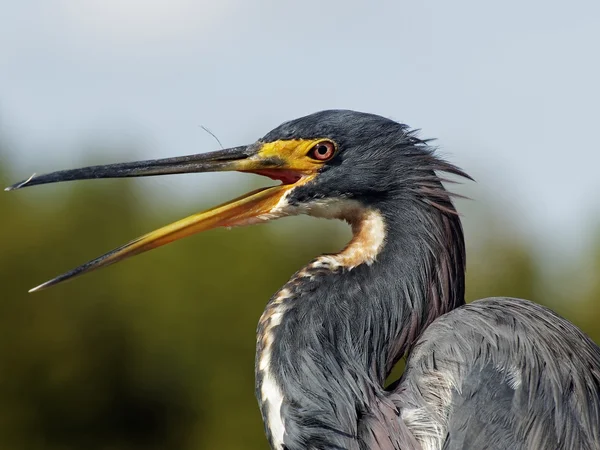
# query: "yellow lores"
296, 153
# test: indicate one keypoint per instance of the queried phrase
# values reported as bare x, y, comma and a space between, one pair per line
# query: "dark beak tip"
37, 288
20, 184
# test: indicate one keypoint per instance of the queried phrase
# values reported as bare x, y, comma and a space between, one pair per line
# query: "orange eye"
322, 151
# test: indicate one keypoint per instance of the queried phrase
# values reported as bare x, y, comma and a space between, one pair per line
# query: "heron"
497, 373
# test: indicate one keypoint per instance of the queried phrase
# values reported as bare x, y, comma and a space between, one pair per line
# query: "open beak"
256, 206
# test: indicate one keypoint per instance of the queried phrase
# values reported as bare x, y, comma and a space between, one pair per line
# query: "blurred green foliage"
158, 352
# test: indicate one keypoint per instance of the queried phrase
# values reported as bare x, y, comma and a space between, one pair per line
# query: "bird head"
333, 164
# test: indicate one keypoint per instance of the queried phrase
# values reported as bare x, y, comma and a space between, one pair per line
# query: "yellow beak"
256, 206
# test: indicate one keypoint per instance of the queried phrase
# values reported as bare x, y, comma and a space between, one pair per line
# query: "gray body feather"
502, 373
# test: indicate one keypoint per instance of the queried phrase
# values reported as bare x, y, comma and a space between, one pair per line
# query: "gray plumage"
503, 373
494, 374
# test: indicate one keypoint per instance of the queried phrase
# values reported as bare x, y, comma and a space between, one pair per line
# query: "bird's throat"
329, 338
368, 230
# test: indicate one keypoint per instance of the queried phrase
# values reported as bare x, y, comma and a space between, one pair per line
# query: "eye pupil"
322, 150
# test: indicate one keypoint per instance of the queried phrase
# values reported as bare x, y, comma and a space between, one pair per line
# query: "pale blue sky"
510, 89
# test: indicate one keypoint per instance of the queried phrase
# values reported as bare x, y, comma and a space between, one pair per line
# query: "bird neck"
330, 337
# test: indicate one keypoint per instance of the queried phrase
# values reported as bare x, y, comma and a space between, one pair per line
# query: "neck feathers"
368, 231
329, 338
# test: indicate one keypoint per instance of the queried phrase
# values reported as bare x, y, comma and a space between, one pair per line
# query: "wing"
502, 374
482, 414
